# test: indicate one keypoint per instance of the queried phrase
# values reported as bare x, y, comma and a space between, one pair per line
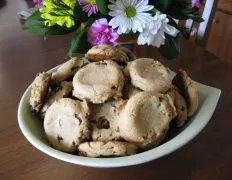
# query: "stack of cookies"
114, 105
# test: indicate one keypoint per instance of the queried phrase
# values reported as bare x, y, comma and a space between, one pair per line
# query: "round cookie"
39, 90
61, 91
188, 89
149, 75
104, 121
181, 106
66, 124
98, 82
145, 119
66, 70
106, 52
107, 149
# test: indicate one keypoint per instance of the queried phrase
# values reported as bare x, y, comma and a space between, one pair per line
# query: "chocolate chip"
59, 138
73, 143
86, 115
182, 108
113, 87
161, 99
81, 153
74, 68
94, 121
121, 139
170, 115
101, 63
164, 131
80, 120
113, 105
103, 123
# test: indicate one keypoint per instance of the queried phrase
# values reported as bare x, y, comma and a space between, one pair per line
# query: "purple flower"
196, 3
38, 2
89, 6
100, 33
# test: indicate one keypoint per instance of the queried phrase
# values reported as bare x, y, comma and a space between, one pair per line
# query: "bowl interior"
32, 128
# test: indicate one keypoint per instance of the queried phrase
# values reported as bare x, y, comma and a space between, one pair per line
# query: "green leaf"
185, 31
183, 10
154, 11
102, 6
172, 22
171, 48
163, 5
79, 42
35, 24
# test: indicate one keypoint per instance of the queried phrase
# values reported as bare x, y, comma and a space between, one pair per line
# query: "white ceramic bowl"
32, 129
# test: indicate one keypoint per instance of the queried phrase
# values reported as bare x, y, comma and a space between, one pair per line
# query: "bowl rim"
201, 118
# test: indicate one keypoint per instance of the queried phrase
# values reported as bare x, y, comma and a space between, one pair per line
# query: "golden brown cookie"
107, 149
149, 75
61, 91
66, 70
97, 82
66, 124
181, 106
145, 119
104, 120
188, 89
106, 52
39, 90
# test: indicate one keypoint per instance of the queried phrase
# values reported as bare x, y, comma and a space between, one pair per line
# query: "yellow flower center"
130, 11
91, 2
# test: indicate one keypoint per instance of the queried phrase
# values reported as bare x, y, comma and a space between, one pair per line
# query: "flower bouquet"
97, 22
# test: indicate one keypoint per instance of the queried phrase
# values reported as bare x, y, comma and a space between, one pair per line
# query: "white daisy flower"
154, 34
129, 15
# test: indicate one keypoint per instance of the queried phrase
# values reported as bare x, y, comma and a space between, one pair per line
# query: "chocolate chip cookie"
39, 90
145, 119
106, 52
107, 149
149, 75
66, 124
104, 120
61, 91
66, 70
188, 89
98, 82
181, 106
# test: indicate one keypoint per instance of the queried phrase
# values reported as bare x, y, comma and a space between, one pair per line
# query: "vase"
128, 42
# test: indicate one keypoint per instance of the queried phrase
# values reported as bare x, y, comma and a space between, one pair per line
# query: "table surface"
22, 55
